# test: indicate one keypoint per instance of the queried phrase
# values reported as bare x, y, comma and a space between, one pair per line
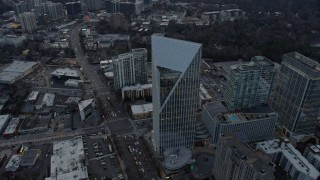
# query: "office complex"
235, 160
130, 68
175, 91
297, 97
28, 21
285, 155
252, 124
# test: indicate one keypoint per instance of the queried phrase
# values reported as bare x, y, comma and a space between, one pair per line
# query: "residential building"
285, 155
175, 91
312, 154
28, 21
253, 124
235, 160
22, 7
296, 97
93, 5
136, 91
130, 68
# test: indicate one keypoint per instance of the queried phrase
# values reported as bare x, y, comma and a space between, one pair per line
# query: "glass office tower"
175, 91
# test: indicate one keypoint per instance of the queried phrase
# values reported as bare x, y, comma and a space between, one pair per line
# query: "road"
88, 70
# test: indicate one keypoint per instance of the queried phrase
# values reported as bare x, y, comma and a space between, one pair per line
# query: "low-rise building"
30, 157
65, 73
14, 163
86, 108
16, 70
33, 96
284, 154
11, 128
67, 160
142, 111
73, 83
4, 119
136, 91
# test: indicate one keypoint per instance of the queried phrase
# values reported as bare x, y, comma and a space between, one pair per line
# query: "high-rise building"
93, 5
296, 96
235, 160
127, 7
55, 10
175, 91
74, 9
130, 68
312, 154
22, 7
242, 84
28, 21
252, 124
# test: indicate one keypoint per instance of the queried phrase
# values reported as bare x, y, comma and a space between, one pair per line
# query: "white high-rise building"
175, 91
28, 21
130, 68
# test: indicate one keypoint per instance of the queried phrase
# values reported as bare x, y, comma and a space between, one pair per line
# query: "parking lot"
102, 160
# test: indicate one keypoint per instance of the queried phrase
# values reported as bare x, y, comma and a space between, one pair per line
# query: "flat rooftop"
137, 87
142, 108
33, 96
226, 66
291, 153
20, 66
3, 120
12, 126
67, 161
214, 108
14, 163
30, 157
48, 99
83, 104
65, 72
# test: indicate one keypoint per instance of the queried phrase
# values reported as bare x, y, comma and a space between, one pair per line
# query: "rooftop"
65, 72
30, 157
176, 158
137, 87
20, 66
256, 159
13, 163
67, 161
48, 99
214, 108
143, 108
3, 120
83, 104
291, 153
12, 126
33, 96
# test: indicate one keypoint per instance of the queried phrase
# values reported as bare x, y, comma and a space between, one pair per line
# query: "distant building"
141, 111
12, 40
86, 108
296, 96
235, 160
28, 21
175, 91
252, 124
128, 8
68, 160
93, 5
136, 91
74, 9
55, 10
312, 154
289, 158
118, 21
22, 7
130, 68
